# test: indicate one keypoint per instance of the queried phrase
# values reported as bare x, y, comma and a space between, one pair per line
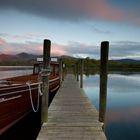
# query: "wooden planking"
71, 115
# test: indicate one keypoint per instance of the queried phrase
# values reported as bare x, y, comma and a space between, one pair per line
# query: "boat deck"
71, 116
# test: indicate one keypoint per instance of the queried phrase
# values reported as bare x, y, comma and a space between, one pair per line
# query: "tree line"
113, 65
89, 64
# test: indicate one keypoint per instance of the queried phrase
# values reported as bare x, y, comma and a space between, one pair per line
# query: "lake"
123, 101
11, 71
122, 121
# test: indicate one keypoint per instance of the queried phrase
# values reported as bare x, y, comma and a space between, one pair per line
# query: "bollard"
45, 80
81, 73
103, 80
77, 70
60, 70
63, 71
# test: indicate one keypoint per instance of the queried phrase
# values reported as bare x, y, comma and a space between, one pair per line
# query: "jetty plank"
71, 116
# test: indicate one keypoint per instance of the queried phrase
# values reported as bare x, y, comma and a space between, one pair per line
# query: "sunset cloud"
73, 10
14, 47
58, 50
2, 41
118, 50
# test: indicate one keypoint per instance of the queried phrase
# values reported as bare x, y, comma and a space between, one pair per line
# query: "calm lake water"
123, 101
123, 104
11, 71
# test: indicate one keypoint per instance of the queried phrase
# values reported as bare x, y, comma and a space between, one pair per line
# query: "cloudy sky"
75, 27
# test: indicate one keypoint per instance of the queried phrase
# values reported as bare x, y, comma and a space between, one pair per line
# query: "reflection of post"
103, 80
81, 73
45, 79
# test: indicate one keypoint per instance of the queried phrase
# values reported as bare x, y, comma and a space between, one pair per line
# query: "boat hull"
15, 102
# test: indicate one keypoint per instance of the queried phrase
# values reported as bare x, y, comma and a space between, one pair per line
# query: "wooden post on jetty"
60, 70
77, 70
81, 73
103, 80
45, 80
63, 70
74, 69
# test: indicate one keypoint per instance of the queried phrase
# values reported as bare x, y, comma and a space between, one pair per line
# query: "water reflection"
123, 104
7, 72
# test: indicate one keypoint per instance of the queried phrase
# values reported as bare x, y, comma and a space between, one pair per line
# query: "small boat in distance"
21, 95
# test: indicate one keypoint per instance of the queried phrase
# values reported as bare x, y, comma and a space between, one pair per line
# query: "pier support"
77, 70
81, 73
60, 70
63, 70
103, 79
45, 80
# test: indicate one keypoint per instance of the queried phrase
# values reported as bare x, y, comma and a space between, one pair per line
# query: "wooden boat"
20, 95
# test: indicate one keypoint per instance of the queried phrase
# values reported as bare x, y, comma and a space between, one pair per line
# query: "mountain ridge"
126, 60
27, 56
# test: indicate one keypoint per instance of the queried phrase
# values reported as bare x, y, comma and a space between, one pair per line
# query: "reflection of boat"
20, 95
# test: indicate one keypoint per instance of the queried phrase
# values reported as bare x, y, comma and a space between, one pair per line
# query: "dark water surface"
123, 104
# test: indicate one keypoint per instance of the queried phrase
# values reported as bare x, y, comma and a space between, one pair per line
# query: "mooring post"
63, 70
77, 70
74, 69
103, 79
45, 80
81, 73
60, 70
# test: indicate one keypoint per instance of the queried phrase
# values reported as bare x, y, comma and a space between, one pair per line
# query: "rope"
45, 72
39, 93
31, 98
39, 85
39, 90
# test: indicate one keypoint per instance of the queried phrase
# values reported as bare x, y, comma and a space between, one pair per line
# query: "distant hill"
26, 56
128, 61
18, 57
5, 57
67, 57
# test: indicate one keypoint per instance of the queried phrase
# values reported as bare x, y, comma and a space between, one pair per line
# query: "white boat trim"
54, 89
9, 99
15, 92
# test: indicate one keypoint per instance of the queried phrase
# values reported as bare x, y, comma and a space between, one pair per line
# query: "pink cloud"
103, 10
79, 9
2, 41
31, 47
58, 50
100, 9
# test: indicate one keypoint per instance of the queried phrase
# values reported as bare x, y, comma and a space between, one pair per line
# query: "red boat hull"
15, 102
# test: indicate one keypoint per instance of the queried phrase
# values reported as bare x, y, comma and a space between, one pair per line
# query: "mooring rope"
31, 98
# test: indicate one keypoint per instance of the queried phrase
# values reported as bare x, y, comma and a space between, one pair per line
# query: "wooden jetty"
71, 116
